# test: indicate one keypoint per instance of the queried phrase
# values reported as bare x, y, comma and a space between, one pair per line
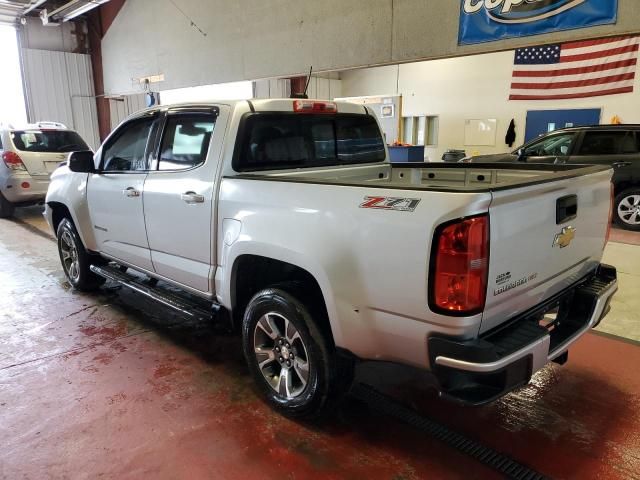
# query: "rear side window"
609, 143
272, 141
186, 141
48, 141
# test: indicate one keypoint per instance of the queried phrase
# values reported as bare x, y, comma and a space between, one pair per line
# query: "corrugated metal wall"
124, 106
60, 88
319, 87
276, 88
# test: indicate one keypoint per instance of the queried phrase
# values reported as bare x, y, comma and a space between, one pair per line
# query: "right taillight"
611, 203
458, 281
13, 161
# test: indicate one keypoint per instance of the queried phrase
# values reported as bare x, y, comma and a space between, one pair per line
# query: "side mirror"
81, 162
521, 155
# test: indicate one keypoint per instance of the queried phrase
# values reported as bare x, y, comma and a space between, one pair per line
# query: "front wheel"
293, 362
627, 209
76, 261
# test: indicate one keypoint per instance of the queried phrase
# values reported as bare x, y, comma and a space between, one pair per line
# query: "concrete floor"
110, 386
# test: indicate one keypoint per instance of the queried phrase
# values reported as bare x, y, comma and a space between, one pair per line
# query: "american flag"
575, 70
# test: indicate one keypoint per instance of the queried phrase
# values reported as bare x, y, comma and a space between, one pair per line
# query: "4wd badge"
391, 203
565, 237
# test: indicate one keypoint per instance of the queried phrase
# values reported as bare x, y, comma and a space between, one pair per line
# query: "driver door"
115, 193
555, 148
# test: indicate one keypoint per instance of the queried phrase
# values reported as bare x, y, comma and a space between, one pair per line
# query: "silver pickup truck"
285, 219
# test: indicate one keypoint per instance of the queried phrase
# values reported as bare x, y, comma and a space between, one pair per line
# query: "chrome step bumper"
482, 370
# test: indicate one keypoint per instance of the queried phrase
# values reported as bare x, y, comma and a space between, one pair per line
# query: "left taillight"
13, 161
458, 281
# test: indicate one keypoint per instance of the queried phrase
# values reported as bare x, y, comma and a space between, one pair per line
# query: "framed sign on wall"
489, 20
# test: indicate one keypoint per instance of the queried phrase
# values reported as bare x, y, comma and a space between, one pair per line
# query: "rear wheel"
293, 362
6, 207
627, 209
76, 261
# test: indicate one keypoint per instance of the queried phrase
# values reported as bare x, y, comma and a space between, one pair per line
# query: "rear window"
271, 141
48, 141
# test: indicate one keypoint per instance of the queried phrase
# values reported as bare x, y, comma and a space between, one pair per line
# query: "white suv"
29, 155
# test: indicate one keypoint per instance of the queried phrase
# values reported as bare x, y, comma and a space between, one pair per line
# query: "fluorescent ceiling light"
74, 9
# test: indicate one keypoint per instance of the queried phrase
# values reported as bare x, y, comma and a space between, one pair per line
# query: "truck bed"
456, 177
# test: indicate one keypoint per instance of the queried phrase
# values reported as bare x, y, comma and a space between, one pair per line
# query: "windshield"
48, 141
272, 141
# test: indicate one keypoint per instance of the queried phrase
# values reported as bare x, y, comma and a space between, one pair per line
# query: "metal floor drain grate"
486, 455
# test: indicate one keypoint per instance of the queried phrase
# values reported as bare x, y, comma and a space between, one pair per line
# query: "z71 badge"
391, 203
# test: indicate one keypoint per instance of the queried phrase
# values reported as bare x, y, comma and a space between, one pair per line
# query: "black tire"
79, 276
328, 374
627, 201
6, 207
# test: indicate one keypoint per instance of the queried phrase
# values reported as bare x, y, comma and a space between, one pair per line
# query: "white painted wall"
473, 87
205, 93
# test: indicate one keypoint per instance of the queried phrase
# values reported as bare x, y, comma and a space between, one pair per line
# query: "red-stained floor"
619, 235
110, 386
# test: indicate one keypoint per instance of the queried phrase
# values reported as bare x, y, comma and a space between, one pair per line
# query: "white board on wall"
480, 132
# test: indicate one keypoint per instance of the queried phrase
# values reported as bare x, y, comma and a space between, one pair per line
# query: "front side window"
272, 141
186, 141
126, 152
48, 141
552, 145
608, 143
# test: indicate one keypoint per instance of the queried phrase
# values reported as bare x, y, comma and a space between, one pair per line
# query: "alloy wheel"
281, 355
629, 210
69, 253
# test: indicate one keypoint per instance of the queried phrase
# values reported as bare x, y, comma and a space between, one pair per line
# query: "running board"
175, 302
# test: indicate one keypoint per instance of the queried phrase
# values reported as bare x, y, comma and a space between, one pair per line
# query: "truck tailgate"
536, 248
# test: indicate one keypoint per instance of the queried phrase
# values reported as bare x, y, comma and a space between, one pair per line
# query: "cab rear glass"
272, 141
48, 141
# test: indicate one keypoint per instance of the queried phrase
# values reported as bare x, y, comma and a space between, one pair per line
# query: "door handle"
131, 192
621, 164
192, 197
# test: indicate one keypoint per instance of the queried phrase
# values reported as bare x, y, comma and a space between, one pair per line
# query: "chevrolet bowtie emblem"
565, 237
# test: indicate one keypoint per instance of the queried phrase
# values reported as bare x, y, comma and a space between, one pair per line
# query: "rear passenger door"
617, 148
179, 196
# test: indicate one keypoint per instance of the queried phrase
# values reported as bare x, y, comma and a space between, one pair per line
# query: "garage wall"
273, 88
471, 88
319, 87
59, 87
252, 39
124, 106
60, 38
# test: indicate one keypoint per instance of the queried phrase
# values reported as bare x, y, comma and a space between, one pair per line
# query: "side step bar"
183, 305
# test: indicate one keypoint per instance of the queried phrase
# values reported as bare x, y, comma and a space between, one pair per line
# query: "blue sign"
489, 20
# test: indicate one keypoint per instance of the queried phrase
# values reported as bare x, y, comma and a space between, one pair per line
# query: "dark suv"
615, 145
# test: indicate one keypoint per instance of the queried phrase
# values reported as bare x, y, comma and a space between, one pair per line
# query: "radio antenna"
306, 87
303, 95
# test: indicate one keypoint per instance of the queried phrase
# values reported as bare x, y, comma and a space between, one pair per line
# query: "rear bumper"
481, 370
22, 188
